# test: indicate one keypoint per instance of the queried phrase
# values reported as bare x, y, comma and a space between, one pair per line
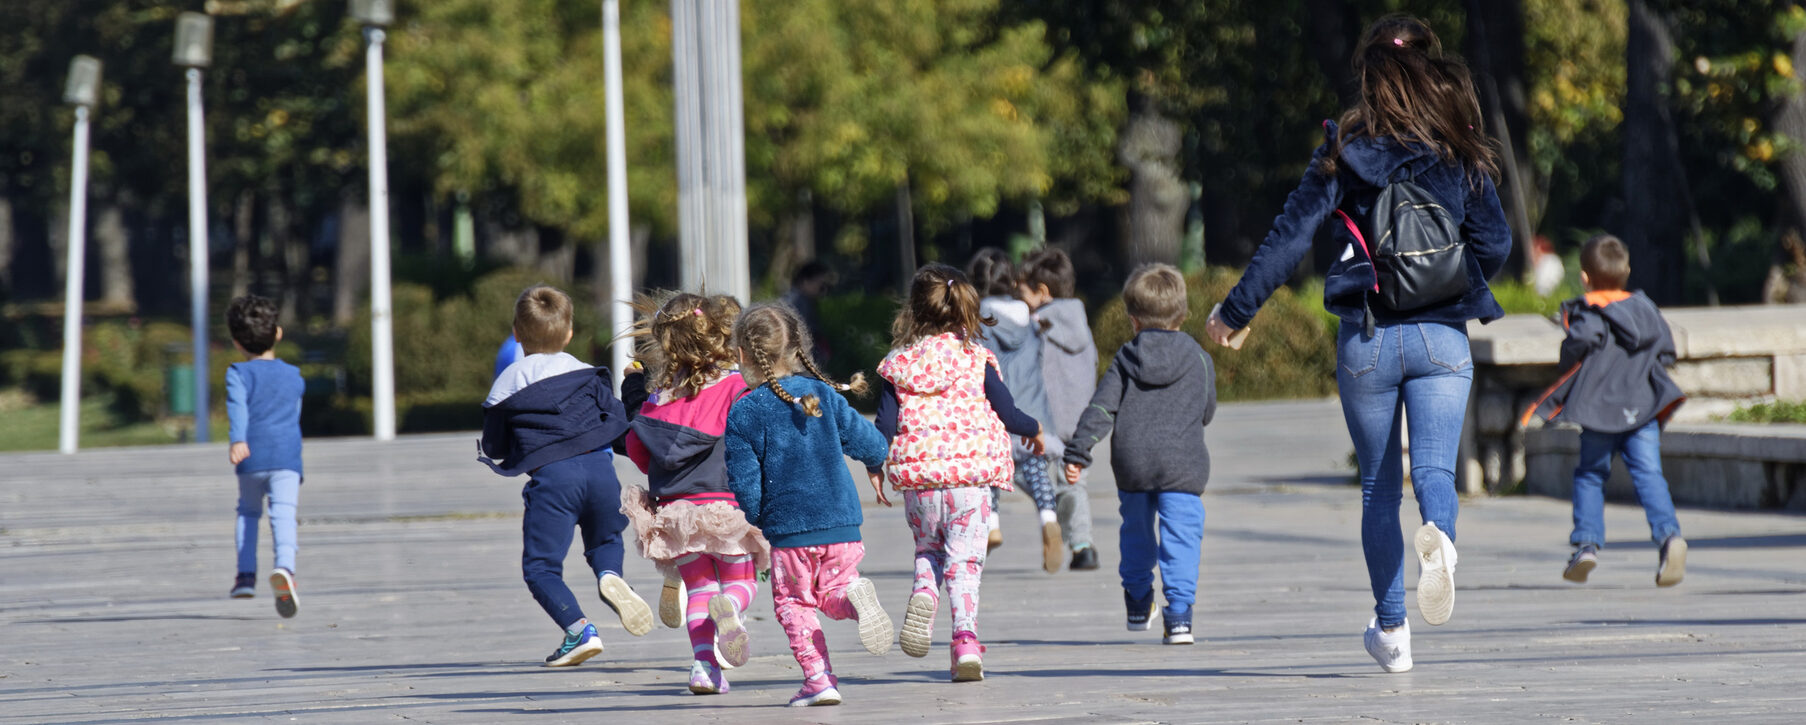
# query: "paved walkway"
114, 565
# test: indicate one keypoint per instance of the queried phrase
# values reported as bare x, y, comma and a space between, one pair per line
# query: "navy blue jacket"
786, 468
1365, 167
556, 418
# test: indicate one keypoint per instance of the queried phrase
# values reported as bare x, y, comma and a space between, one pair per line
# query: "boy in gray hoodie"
1069, 370
1616, 387
1158, 393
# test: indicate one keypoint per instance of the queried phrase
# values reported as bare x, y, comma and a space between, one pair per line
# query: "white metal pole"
72, 298
197, 251
382, 348
620, 272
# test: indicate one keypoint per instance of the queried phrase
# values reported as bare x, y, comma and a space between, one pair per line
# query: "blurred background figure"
807, 286
1546, 271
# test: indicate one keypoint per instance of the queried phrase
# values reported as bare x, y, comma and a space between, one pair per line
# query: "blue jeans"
1425, 371
1179, 518
1642, 451
283, 487
580, 492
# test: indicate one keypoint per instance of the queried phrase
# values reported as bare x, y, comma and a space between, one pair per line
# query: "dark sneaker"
1084, 559
1673, 564
244, 586
288, 601
1178, 628
576, 648
1140, 610
1582, 563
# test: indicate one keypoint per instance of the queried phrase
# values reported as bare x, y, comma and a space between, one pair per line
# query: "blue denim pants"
1165, 528
579, 493
1423, 370
1642, 451
283, 489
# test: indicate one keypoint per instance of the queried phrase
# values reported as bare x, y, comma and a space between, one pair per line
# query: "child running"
949, 417
263, 408
553, 417
1045, 282
689, 520
1018, 350
785, 446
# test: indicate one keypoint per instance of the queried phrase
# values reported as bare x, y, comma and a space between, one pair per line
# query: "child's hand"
1038, 444
878, 486
238, 453
1072, 473
1217, 330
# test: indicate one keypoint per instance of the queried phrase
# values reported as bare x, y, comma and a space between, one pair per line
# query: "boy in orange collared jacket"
1616, 387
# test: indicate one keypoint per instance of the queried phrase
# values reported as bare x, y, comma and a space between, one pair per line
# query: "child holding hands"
785, 445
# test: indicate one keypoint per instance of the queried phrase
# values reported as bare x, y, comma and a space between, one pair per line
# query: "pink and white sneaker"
823, 691
968, 658
707, 679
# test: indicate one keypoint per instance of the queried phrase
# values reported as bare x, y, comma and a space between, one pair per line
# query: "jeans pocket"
1356, 353
1445, 346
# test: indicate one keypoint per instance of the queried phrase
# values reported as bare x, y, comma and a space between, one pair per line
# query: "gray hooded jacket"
1068, 363
1159, 393
1018, 353
1614, 361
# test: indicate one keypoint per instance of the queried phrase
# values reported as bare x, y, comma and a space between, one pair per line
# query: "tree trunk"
1495, 41
6, 247
351, 275
1655, 217
796, 241
906, 238
1157, 196
113, 242
519, 246
289, 251
1790, 121
1334, 28
244, 237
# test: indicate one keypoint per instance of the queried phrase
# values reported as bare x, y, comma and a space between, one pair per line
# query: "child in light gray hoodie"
1045, 281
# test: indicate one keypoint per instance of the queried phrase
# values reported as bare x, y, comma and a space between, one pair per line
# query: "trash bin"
180, 384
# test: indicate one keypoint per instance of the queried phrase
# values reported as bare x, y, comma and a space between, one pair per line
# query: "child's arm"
861, 441
1099, 418
633, 395
636, 450
494, 442
1014, 420
1489, 237
1210, 388
238, 416
1587, 332
887, 410
744, 474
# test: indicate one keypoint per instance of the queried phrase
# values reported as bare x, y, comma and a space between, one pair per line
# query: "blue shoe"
1140, 610
576, 648
1178, 627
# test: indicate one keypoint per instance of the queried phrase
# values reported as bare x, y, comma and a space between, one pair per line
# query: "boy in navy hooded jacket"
553, 417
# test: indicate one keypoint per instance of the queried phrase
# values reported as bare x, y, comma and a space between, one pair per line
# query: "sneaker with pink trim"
823, 691
706, 679
968, 658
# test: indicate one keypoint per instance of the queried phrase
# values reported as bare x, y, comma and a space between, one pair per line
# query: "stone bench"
1725, 357
1720, 465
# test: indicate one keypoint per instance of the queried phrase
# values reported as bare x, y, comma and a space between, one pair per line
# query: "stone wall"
1717, 465
1726, 357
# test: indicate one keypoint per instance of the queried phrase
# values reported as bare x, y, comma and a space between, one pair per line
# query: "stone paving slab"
114, 565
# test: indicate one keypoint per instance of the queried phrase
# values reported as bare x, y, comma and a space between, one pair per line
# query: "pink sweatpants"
950, 532
706, 575
805, 579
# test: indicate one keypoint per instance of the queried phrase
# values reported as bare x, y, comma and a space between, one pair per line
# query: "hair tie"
1400, 42
949, 283
697, 311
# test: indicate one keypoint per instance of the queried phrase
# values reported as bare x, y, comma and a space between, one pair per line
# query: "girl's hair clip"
1400, 42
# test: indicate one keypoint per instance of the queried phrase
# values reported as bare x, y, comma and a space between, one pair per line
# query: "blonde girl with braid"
688, 521
787, 443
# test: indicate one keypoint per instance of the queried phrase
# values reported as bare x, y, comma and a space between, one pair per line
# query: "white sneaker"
875, 630
1391, 649
1436, 580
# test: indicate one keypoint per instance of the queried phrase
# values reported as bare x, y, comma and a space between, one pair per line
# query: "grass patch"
1780, 411
28, 425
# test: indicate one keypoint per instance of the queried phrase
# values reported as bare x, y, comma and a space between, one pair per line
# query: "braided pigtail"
811, 404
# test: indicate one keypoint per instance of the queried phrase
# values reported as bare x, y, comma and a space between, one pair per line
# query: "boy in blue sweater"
554, 418
263, 411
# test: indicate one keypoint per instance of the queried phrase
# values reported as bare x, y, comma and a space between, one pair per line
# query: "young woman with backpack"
1418, 230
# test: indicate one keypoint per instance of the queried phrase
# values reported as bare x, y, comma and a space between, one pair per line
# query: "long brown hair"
1414, 94
777, 343
688, 340
940, 301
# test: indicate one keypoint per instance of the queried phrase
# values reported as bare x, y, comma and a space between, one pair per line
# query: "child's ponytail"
775, 341
940, 301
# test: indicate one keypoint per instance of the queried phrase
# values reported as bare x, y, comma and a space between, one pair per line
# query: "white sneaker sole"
577, 656
1674, 568
730, 636
970, 668
918, 625
1177, 639
636, 617
1053, 548
288, 601
1436, 583
670, 605
829, 696
875, 630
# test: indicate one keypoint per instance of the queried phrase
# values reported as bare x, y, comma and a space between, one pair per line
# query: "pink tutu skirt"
667, 532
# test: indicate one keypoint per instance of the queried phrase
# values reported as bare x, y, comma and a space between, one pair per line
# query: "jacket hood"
1159, 357
550, 395
1068, 328
672, 446
1375, 160
1014, 326
933, 364
1634, 319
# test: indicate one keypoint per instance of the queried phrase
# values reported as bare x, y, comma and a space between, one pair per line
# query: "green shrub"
856, 328
1521, 298
1291, 349
1780, 411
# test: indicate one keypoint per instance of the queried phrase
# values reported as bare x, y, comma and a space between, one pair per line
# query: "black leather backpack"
1419, 258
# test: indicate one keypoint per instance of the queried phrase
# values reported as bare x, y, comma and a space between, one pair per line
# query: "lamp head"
194, 40
373, 13
83, 88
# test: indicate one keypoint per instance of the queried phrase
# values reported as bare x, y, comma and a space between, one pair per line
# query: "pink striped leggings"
706, 575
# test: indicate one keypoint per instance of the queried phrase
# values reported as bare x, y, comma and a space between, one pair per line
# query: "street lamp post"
376, 15
620, 277
83, 92
194, 51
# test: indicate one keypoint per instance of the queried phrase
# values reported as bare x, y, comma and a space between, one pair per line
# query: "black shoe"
1178, 628
1084, 559
1140, 610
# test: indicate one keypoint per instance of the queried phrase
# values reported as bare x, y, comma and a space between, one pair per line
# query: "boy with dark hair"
553, 417
1069, 372
1616, 387
1158, 394
263, 412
